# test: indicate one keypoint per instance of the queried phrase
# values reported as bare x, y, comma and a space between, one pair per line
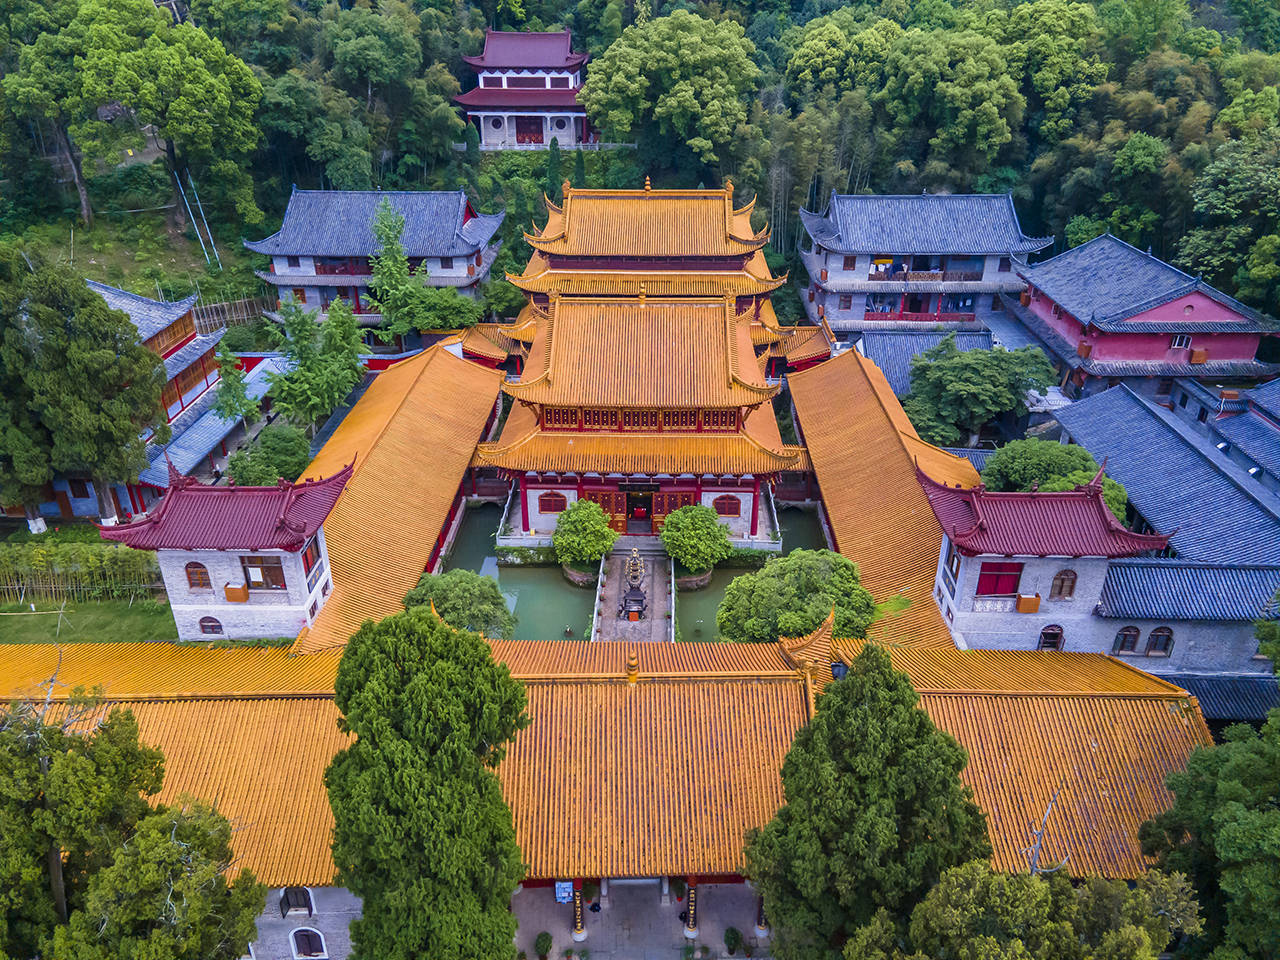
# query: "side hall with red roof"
526, 91
240, 562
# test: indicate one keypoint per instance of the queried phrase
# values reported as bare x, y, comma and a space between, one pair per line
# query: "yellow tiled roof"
490, 340
642, 353
648, 223
664, 775
864, 452
754, 279
523, 446
412, 435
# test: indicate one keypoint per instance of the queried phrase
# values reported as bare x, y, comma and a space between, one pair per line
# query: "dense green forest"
1154, 119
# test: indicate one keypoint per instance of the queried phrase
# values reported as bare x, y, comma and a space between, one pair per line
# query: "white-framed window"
309, 944
1180, 341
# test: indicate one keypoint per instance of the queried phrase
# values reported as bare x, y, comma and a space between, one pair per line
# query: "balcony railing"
923, 276
342, 269
916, 316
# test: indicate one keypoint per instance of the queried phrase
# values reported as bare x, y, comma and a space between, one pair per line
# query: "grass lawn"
110, 621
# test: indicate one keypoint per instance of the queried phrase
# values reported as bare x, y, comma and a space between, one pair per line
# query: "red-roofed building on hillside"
1027, 570
527, 92
240, 562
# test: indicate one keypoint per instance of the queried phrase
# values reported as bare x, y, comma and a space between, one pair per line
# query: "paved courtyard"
636, 926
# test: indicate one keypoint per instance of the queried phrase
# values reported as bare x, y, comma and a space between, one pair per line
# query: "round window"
496, 123
561, 124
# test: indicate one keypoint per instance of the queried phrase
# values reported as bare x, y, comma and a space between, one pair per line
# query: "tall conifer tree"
422, 833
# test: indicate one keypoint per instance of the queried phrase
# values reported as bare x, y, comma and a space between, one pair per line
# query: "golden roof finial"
633, 667
647, 185
642, 291
565, 187
728, 187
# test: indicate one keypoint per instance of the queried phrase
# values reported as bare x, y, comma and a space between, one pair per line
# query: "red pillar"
755, 508
524, 507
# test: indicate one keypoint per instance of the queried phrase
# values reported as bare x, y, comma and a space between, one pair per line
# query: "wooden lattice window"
552, 502
1159, 642
198, 576
679, 420
263, 573
727, 506
1050, 638
1126, 640
1063, 586
640, 419
718, 419
211, 626
562, 417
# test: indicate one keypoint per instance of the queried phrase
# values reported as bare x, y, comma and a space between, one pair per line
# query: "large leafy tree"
199, 98
791, 595
977, 913
582, 533
281, 451
232, 401
695, 537
422, 833
1034, 464
1223, 831
85, 376
322, 365
955, 393
401, 294
88, 869
677, 85
300, 115
874, 813
465, 600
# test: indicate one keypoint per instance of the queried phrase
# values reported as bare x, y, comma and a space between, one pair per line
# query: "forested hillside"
1153, 119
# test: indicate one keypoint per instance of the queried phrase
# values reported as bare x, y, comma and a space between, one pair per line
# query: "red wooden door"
528, 129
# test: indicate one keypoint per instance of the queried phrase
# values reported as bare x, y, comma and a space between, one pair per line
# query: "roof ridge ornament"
648, 187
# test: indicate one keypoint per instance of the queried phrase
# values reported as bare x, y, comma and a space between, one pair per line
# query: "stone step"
647, 546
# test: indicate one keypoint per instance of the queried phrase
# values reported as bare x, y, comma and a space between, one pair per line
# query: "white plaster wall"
739, 526
991, 269
545, 523
306, 267
333, 910
267, 613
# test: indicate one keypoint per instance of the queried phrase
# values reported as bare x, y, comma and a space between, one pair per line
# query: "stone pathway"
656, 585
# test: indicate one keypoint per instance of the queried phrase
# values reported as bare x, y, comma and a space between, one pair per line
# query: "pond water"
543, 601
696, 609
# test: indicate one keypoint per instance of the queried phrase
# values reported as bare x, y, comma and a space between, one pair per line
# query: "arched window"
309, 943
1063, 586
295, 902
1050, 638
211, 626
727, 506
552, 503
198, 576
1126, 640
1159, 642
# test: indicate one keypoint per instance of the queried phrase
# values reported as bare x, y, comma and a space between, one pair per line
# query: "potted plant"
677, 887
590, 890
732, 940
542, 945
522, 956
568, 954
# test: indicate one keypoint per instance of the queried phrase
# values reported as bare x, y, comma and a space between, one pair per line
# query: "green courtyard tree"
166, 895
695, 538
322, 363
422, 833
978, 913
232, 401
1047, 465
791, 595
955, 393
401, 294
1223, 831
281, 450
465, 600
677, 85
874, 812
88, 869
582, 533
88, 380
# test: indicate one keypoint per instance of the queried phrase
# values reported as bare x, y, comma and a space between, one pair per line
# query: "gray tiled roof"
921, 223
149, 316
1177, 479
1165, 589
338, 223
1230, 697
1267, 399
189, 353
1254, 437
189, 447
978, 456
893, 351
1065, 352
1106, 281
